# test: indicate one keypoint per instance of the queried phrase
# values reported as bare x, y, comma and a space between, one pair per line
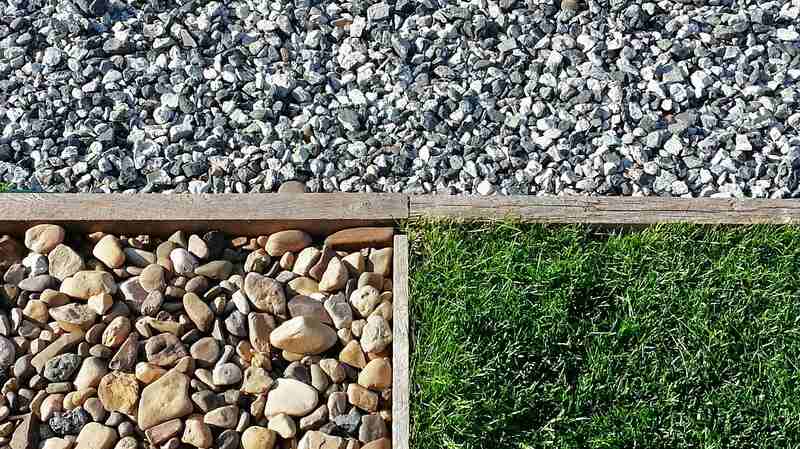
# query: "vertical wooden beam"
401, 426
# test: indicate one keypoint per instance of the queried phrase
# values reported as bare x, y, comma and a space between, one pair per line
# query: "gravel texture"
681, 98
198, 341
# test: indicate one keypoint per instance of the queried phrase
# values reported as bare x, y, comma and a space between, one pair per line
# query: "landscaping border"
606, 210
250, 215
322, 214
158, 214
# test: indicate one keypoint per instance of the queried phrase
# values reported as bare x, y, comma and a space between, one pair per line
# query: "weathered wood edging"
606, 210
324, 213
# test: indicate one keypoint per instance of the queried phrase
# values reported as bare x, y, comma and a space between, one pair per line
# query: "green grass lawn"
561, 337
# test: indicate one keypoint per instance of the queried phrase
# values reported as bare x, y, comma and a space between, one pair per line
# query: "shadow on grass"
562, 337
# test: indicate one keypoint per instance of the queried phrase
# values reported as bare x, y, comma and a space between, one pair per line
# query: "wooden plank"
158, 214
606, 210
401, 402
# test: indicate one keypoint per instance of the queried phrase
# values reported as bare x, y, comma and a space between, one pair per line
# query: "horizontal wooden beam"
242, 214
324, 213
606, 210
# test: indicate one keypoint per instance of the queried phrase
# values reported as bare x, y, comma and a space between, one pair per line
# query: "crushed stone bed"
200, 340
672, 98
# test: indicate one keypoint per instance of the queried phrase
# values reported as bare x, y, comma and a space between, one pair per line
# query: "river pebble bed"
196, 341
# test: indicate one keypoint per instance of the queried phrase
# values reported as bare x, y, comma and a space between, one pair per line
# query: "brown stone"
163, 251
164, 431
119, 392
96, 436
148, 373
64, 262
265, 293
109, 251
318, 440
74, 317
125, 358
256, 437
168, 326
362, 398
370, 278
133, 293
36, 310
260, 325
319, 268
58, 443
381, 260
334, 278
303, 335
306, 306
198, 311
283, 425
302, 286
91, 373
26, 436
282, 242
291, 397
218, 270
101, 303
385, 309
153, 277
197, 433
164, 349
62, 344
44, 237
376, 375
117, 331
256, 381
197, 246
152, 303
257, 261
365, 299
315, 419
287, 261
337, 404
205, 351
54, 298
164, 399
376, 335
333, 369
223, 417
355, 264
353, 355
305, 260
85, 284
357, 238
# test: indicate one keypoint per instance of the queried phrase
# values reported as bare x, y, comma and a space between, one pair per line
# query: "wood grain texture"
606, 210
158, 214
401, 372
